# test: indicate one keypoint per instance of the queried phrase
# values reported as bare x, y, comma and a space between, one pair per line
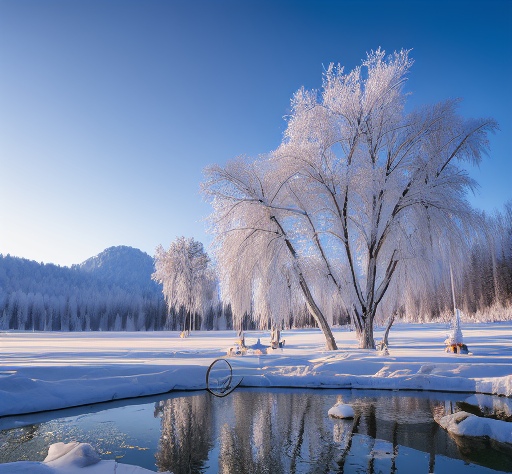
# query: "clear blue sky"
110, 110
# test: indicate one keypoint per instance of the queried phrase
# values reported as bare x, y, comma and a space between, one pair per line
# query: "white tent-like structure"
455, 342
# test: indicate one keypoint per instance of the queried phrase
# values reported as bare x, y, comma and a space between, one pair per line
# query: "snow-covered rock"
341, 411
465, 424
72, 454
71, 458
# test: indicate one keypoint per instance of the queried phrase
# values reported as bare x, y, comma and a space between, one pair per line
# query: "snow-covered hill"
112, 290
127, 267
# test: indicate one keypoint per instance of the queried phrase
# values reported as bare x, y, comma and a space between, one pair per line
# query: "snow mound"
74, 454
71, 458
341, 411
465, 424
426, 369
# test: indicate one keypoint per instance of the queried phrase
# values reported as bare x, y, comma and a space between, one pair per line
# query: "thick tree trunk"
366, 340
330, 342
312, 306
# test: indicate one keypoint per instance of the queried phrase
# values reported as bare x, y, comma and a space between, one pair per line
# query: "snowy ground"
45, 371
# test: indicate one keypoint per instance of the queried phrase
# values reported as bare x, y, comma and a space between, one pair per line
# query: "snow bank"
70, 458
491, 405
495, 385
27, 391
47, 371
465, 424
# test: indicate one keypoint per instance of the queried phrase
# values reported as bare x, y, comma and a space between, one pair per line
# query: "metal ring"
226, 388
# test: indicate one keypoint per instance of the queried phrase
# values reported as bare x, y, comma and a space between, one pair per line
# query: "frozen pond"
262, 431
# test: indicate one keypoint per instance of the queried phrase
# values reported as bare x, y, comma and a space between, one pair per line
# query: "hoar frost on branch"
187, 277
352, 207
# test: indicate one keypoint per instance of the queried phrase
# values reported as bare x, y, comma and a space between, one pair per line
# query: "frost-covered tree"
118, 324
187, 276
261, 269
359, 195
46, 297
4, 323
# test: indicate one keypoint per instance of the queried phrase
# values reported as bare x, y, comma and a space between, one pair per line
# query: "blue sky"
110, 110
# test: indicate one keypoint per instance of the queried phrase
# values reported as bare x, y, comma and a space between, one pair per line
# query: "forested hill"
126, 267
112, 290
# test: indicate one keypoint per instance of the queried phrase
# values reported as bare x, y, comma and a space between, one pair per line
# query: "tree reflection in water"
275, 432
290, 432
186, 433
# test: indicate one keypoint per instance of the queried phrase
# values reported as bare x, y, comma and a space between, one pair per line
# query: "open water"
263, 431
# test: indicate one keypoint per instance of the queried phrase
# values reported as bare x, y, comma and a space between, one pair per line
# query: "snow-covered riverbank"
45, 371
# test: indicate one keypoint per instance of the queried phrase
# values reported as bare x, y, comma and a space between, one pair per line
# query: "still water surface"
262, 431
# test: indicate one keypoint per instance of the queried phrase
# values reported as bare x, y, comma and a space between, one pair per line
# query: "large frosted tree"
352, 206
187, 277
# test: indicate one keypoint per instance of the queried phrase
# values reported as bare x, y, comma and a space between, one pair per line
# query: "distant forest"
110, 292
114, 291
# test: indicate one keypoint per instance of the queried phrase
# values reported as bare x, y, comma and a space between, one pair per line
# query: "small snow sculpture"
257, 349
341, 411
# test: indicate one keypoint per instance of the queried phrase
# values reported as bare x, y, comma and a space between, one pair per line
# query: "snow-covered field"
45, 371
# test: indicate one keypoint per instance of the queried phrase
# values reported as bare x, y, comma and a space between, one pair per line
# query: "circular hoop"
226, 388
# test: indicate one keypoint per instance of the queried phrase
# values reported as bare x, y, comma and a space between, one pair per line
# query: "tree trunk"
330, 342
388, 327
366, 340
312, 306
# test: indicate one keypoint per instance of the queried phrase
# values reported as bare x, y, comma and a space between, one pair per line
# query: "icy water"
262, 431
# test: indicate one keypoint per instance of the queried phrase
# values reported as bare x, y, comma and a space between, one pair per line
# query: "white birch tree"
357, 190
187, 277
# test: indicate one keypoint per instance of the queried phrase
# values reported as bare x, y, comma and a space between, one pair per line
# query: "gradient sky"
110, 110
